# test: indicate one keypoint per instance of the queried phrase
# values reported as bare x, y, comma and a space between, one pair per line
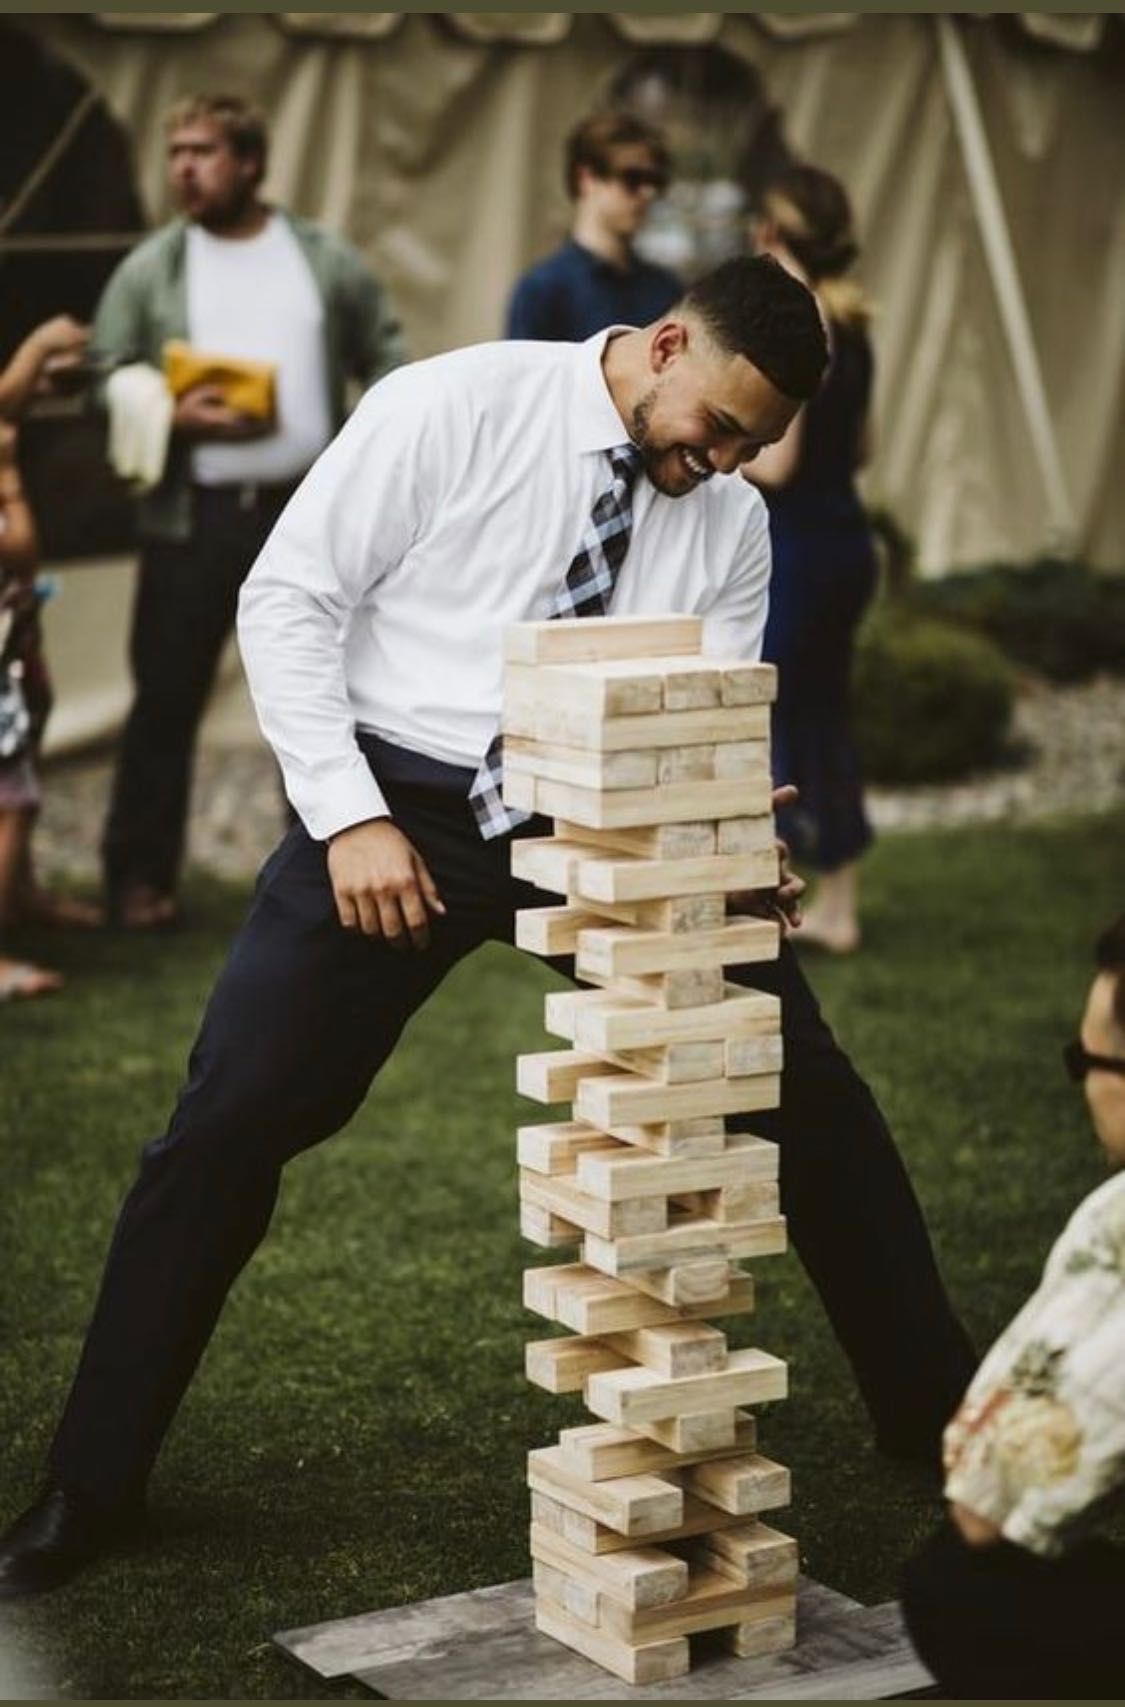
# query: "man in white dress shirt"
452, 504
235, 278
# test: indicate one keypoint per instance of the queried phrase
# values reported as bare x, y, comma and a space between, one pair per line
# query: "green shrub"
931, 702
1064, 620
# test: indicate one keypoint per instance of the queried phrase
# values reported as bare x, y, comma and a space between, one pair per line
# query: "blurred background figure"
824, 566
1008, 1600
616, 167
49, 355
254, 293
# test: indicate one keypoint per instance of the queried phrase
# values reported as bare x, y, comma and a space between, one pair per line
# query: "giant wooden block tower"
654, 763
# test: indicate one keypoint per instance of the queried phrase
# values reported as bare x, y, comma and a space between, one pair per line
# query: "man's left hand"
784, 902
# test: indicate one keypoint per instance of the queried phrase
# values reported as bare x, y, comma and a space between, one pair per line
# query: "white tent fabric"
434, 141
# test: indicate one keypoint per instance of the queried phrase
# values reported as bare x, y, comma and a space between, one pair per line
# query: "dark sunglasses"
636, 178
1078, 1062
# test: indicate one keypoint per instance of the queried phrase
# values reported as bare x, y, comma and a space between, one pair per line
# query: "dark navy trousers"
300, 1022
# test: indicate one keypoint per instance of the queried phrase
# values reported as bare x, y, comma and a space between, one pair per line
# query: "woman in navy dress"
824, 566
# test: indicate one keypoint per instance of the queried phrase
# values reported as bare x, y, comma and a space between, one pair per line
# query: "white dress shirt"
450, 505
255, 297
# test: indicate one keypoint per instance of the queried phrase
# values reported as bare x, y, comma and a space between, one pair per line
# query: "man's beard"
655, 458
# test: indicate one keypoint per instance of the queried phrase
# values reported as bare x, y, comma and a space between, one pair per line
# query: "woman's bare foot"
60, 912
834, 936
20, 981
143, 908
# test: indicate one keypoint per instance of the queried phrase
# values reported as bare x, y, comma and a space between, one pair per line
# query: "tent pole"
1005, 280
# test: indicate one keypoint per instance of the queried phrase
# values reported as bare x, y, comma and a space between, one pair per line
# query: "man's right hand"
381, 884
201, 414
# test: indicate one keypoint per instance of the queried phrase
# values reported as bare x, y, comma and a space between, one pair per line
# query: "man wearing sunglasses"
1009, 1598
616, 167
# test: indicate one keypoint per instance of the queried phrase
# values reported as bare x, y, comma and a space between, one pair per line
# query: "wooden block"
562, 1365
746, 1202
554, 1075
760, 1556
611, 689
743, 1057
616, 953
712, 1602
550, 930
598, 1450
648, 841
749, 684
685, 1283
590, 1536
676, 1063
554, 1147
548, 862
654, 1662
580, 768
570, 640
685, 764
590, 1302
675, 914
677, 1138
699, 1431
632, 1396
745, 835
629, 1505
523, 716
677, 803
680, 1348
692, 988
635, 1577
626, 1099
742, 1485
558, 1195
578, 1598
693, 1240
600, 1021
547, 1231
626, 1172
743, 760
771, 1634
634, 879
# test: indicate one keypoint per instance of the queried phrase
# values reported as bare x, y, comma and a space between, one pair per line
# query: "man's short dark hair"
752, 307
1109, 956
243, 125
591, 144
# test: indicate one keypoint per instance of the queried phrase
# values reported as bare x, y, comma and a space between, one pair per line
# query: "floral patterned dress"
1040, 1436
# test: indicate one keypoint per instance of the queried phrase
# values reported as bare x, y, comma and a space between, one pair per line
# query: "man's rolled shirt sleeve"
734, 624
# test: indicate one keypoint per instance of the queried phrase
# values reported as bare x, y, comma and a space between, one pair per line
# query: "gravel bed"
1071, 743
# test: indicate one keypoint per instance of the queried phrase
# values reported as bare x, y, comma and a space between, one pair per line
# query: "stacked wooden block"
654, 763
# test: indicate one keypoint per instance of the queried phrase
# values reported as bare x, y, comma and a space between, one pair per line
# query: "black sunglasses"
637, 178
1078, 1061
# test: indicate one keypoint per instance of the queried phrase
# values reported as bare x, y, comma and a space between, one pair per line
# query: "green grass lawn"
357, 1435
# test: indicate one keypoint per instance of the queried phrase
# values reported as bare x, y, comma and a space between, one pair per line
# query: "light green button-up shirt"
145, 304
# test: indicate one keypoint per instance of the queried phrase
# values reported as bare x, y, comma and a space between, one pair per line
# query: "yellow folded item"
249, 387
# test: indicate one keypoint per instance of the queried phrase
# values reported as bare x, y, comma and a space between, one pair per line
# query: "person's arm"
19, 546
373, 343
777, 464
55, 346
351, 522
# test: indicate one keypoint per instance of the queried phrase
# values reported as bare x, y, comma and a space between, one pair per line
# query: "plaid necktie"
586, 591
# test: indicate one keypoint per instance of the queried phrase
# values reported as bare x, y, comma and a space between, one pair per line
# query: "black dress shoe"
59, 1536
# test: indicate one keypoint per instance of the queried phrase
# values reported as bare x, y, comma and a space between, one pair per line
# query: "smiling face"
1105, 1091
705, 412
211, 183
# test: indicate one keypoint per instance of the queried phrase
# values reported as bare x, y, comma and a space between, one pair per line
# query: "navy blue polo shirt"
575, 293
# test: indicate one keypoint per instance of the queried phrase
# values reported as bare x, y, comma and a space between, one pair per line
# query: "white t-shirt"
255, 297
450, 505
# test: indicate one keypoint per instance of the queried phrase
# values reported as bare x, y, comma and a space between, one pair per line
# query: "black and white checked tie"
586, 591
